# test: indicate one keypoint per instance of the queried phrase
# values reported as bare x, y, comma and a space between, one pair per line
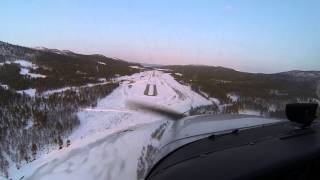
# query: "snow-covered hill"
42, 69
112, 136
302, 74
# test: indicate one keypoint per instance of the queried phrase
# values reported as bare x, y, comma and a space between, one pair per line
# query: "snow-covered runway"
111, 139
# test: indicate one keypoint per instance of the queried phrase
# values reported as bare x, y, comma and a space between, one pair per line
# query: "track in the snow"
146, 91
151, 90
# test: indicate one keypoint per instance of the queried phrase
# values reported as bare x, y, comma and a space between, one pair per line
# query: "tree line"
30, 124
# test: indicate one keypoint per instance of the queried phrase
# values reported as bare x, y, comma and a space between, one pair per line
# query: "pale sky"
247, 35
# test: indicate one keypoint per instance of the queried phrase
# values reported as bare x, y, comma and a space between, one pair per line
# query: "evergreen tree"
60, 142
34, 150
68, 143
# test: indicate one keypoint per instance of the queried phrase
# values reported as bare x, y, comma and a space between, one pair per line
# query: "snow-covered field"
31, 92
25, 67
112, 136
50, 92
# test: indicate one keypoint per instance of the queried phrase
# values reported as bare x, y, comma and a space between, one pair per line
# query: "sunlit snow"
31, 92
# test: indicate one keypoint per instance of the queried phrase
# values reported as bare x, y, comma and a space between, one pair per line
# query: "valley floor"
112, 136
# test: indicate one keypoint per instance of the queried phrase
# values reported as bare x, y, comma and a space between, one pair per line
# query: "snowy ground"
25, 67
112, 137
